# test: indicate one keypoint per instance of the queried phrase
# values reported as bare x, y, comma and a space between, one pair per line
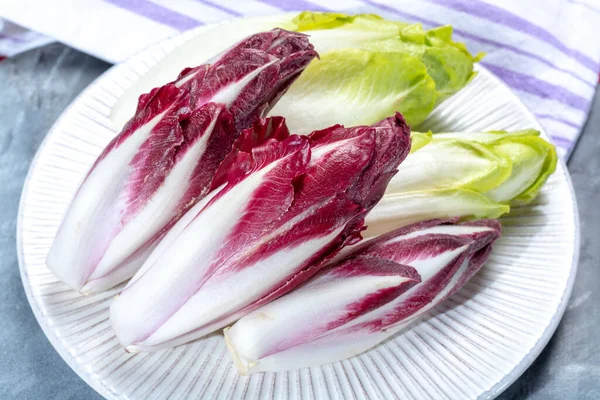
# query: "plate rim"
106, 392
50, 335
550, 329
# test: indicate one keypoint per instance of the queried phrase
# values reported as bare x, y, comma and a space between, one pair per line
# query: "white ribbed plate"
472, 346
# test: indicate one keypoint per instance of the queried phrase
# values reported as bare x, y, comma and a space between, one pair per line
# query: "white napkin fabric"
15, 39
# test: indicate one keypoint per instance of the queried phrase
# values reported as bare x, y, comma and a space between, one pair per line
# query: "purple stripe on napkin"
561, 141
490, 42
507, 18
522, 52
557, 119
9, 38
539, 87
157, 13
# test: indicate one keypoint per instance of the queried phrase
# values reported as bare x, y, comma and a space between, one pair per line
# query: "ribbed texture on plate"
475, 343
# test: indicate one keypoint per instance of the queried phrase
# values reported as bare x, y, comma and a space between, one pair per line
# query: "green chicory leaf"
364, 23
451, 164
446, 63
449, 63
533, 160
357, 87
467, 175
486, 137
400, 209
372, 62
419, 139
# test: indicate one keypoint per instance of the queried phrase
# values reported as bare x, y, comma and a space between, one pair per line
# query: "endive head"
370, 68
449, 63
419, 139
314, 20
355, 87
363, 297
466, 175
487, 137
401, 209
451, 164
533, 161
509, 167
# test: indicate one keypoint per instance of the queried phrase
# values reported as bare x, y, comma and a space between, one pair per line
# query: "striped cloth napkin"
548, 52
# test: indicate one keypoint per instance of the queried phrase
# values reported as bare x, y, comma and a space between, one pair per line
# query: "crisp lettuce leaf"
357, 87
311, 21
467, 175
452, 164
449, 63
394, 211
334, 31
419, 140
486, 137
533, 160
446, 62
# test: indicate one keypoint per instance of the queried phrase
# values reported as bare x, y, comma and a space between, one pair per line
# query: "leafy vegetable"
467, 175
371, 67
447, 64
284, 208
400, 209
456, 163
166, 156
355, 87
373, 292
419, 139
533, 161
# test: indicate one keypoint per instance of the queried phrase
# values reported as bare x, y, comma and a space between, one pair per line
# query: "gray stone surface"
36, 86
